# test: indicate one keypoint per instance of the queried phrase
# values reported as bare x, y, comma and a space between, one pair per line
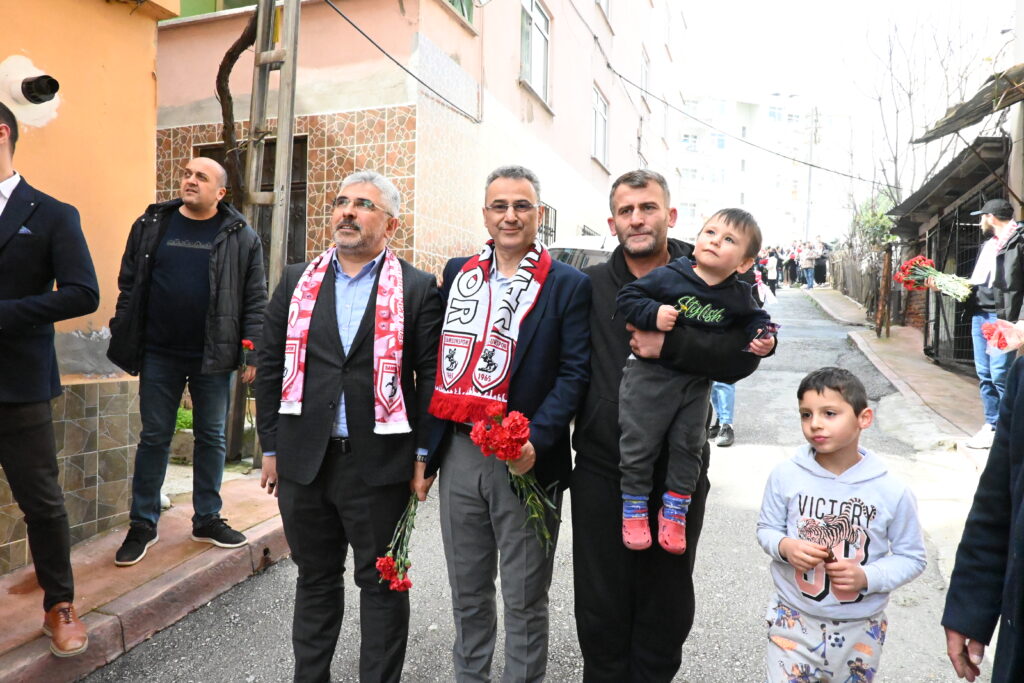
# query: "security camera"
37, 89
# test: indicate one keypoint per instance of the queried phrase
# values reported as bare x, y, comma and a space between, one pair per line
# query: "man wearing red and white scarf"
515, 336
346, 371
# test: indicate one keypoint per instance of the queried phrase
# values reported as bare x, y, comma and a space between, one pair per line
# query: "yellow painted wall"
98, 153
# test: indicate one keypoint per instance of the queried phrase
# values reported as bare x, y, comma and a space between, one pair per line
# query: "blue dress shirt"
351, 297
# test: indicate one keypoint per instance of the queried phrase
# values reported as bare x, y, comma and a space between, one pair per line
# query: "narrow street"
244, 635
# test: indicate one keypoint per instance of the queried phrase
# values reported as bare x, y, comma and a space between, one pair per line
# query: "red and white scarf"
388, 341
479, 336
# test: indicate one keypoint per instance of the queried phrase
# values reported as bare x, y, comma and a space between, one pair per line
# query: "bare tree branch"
234, 157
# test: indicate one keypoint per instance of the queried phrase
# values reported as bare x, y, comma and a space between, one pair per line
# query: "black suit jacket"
987, 584
300, 441
41, 243
550, 369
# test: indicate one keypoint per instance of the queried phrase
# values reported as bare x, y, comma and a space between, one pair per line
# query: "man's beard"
987, 229
641, 252
360, 240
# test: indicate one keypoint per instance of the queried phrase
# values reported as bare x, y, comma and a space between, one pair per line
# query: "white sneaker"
165, 502
984, 437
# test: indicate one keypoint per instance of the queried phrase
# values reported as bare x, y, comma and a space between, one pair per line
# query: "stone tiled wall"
96, 426
382, 140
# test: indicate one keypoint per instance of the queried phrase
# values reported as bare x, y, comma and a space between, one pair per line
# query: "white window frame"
535, 44
690, 142
599, 144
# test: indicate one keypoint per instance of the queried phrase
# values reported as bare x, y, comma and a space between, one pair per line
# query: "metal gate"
954, 244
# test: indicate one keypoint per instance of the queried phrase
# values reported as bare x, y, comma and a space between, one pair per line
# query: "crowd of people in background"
801, 264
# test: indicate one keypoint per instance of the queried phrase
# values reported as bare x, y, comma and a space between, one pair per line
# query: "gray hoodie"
863, 513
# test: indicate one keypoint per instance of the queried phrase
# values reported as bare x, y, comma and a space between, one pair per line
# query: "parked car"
581, 252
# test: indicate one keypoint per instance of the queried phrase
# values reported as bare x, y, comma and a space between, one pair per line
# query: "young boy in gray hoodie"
842, 533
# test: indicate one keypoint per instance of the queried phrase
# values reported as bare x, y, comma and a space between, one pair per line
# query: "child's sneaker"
672, 522
636, 530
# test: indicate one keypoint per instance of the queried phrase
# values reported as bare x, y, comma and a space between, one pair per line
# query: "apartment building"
747, 153
555, 85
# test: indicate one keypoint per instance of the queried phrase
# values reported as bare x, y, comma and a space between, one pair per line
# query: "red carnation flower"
517, 425
248, 345
386, 568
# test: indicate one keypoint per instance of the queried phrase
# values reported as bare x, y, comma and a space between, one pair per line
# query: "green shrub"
184, 419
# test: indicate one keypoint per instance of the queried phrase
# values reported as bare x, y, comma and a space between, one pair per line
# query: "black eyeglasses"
518, 207
359, 203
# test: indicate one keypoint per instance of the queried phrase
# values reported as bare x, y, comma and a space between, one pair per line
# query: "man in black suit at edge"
41, 242
342, 447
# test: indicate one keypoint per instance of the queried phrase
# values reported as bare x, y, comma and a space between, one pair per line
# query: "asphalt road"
243, 636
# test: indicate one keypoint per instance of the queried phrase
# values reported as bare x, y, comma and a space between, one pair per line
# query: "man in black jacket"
41, 242
341, 460
986, 587
634, 609
192, 288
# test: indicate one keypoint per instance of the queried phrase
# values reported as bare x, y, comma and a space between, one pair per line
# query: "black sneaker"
713, 431
725, 436
140, 536
217, 532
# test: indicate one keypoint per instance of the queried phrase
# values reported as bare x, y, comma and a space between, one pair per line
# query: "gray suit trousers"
483, 526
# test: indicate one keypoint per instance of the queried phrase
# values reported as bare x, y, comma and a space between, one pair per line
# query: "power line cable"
401, 66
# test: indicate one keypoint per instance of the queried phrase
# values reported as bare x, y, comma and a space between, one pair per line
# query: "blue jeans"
808, 274
992, 370
723, 398
161, 384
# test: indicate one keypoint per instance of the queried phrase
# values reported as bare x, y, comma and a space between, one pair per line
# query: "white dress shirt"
7, 189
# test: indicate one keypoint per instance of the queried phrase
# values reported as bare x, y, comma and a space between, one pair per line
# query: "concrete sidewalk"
123, 606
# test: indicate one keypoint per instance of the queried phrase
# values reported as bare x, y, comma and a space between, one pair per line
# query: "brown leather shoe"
67, 632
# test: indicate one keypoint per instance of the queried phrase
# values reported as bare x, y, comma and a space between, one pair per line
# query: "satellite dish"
28, 92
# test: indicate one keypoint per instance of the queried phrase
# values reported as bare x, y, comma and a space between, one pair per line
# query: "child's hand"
667, 318
802, 555
847, 575
762, 346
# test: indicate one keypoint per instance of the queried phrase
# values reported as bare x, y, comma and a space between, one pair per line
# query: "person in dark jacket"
987, 584
192, 288
41, 243
997, 293
622, 597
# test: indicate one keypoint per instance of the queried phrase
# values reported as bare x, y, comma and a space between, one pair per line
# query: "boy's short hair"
841, 381
745, 223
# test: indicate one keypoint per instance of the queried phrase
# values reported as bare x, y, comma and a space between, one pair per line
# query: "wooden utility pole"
268, 58
884, 292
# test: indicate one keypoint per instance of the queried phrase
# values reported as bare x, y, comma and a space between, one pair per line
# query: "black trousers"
321, 520
28, 455
634, 609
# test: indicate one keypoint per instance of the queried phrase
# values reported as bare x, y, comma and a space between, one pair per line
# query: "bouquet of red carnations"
1003, 337
503, 436
914, 273
394, 566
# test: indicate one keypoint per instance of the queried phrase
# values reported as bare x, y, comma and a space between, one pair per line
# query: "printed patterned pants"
808, 649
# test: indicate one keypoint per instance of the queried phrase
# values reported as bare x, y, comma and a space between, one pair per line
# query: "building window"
742, 198
534, 45
606, 6
793, 118
688, 174
743, 164
296, 239
464, 9
743, 131
546, 229
774, 113
600, 148
718, 140
688, 210
690, 142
